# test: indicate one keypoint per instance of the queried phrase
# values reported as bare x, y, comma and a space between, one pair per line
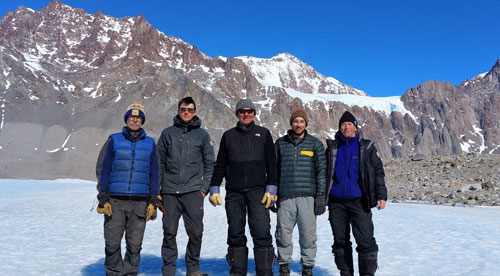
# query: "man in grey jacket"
301, 187
186, 166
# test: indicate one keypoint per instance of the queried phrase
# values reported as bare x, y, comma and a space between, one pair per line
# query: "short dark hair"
186, 100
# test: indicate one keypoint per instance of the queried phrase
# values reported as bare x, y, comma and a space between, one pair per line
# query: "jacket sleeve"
208, 163
376, 163
162, 155
220, 164
270, 156
103, 166
154, 183
320, 167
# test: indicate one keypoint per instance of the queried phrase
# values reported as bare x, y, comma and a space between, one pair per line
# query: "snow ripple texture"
46, 229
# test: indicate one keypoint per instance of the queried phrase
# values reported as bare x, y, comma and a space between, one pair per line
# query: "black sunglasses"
246, 111
190, 110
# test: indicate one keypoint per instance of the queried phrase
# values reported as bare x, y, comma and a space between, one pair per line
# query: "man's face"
246, 115
348, 129
299, 126
186, 112
134, 123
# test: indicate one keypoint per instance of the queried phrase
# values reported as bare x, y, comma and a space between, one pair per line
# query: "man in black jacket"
356, 184
247, 161
186, 166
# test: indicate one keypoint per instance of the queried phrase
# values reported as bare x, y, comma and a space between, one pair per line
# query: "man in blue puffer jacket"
355, 178
127, 171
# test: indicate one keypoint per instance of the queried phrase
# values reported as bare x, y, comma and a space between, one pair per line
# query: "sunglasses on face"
246, 111
190, 110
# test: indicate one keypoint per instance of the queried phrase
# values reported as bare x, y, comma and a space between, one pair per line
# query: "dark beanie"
242, 104
348, 117
298, 113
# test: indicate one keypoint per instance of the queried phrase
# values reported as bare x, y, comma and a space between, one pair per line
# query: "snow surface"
47, 229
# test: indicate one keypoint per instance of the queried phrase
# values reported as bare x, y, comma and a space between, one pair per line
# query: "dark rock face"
66, 78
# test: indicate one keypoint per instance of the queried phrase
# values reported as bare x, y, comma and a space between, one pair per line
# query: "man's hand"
150, 212
381, 204
270, 196
105, 209
319, 205
159, 204
215, 198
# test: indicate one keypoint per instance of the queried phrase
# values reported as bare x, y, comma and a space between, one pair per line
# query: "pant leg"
134, 234
259, 220
114, 227
237, 253
192, 214
362, 228
342, 246
286, 220
306, 222
170, 221
236, 212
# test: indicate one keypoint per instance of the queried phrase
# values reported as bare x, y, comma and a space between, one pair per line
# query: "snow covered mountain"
67, 77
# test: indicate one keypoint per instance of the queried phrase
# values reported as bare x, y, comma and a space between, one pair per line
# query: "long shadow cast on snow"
151, 265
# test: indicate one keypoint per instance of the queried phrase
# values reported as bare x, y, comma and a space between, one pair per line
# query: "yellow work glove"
270, 196
106, 209
150, 212
215, 198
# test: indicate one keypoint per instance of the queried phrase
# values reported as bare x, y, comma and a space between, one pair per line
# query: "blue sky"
382, 47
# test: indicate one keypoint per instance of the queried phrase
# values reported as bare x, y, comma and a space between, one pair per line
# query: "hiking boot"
197, 273
307, 270
284, 269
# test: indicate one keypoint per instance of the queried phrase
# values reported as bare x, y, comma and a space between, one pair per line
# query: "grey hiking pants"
296, 211
129, 217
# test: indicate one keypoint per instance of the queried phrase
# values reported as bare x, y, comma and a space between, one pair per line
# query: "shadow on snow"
151, 265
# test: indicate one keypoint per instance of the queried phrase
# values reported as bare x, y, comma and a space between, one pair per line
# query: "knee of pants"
113, 258
194, 235
169, 239
134, 259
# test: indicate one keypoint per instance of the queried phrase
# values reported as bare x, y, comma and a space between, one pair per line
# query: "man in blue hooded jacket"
356, 184
127, 171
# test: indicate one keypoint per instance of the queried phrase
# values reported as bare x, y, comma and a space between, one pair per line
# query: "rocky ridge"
466, 179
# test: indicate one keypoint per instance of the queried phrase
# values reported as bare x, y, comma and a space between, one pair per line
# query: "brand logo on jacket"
257, 134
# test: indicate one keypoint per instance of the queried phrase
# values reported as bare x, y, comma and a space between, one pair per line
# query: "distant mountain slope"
67, 77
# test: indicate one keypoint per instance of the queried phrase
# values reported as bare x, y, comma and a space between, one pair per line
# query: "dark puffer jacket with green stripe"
301, 167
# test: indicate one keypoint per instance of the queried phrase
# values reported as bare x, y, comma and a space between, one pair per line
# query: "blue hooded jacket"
346, 177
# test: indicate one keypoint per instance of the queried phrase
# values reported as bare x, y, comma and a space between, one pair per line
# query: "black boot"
307, 270
343, 260
284, 269
367, 263
237, 258
264, 261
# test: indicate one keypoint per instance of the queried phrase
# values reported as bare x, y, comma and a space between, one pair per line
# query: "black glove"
319, 205
102, 197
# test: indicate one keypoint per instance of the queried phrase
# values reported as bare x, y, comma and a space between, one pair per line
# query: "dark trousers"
190, 207
237, 205
342, 215
129, 217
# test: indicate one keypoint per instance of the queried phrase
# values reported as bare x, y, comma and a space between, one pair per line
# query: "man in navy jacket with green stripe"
356, 184
127, 172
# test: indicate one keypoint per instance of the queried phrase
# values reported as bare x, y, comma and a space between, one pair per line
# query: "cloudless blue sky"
382, 47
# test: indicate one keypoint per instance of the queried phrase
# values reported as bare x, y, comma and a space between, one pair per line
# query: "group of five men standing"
293, 177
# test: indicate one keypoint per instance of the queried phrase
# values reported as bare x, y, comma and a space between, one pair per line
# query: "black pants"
129, 217
190, 207
342, 215
237, 205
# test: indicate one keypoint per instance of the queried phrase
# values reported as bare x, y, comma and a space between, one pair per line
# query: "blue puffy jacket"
130, 166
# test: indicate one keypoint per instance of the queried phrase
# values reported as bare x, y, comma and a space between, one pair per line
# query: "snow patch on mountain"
383, 104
